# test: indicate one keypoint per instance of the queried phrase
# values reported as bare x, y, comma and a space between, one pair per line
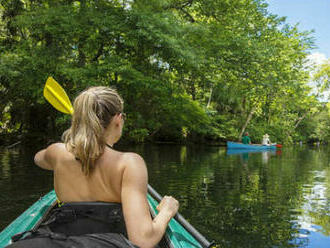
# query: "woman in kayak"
87, 169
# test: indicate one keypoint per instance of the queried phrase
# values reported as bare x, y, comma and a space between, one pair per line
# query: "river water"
263, 199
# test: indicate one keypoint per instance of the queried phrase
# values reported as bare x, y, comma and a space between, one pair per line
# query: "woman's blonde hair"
94, 108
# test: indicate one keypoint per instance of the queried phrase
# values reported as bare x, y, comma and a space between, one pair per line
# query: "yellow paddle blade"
57, 97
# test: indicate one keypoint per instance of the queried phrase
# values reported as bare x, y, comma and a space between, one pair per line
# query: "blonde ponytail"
94, 108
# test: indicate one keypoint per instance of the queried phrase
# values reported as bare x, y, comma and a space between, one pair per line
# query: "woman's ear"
117, 119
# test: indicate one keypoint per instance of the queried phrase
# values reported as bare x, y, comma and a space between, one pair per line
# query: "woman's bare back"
103, 183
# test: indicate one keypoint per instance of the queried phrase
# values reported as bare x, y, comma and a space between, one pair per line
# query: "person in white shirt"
265, 140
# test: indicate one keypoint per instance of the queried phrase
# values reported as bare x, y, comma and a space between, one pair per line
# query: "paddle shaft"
179, 218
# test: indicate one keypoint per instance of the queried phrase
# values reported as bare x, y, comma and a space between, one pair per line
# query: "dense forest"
188, 70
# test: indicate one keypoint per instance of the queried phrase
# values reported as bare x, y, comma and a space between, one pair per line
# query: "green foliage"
188, 70
322, 77
139, 135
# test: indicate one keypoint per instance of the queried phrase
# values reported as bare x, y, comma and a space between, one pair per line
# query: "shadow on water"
267, 199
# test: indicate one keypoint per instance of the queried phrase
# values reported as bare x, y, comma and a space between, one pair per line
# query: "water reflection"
248, 151
21, 183
314, 219
245, 153
248, 199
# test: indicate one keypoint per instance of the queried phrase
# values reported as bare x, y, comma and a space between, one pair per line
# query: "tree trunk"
246, 122
192, 90
289, 132
299, 120
209, 101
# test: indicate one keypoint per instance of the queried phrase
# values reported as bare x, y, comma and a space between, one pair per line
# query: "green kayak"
176, 235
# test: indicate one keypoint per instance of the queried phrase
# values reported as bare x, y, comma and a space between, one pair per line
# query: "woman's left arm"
45, 158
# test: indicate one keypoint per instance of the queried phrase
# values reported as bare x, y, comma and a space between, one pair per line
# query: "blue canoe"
176, 235
236, 145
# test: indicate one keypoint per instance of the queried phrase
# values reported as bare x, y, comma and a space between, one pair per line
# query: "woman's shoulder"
132, 157
126, 162
134, 170
56, 147
132, 160
58, 150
